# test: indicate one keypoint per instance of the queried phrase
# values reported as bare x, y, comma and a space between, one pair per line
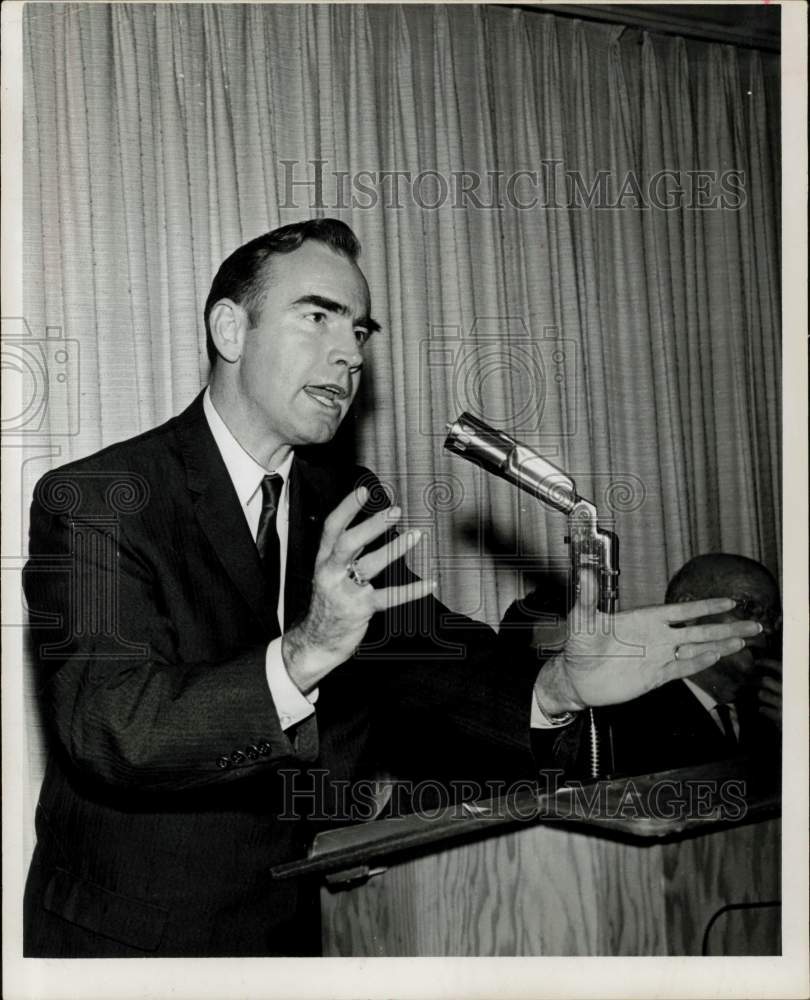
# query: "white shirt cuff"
539, 720
291, 705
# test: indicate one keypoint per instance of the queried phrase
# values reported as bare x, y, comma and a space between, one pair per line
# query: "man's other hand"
769, 693
611, 659
342, 604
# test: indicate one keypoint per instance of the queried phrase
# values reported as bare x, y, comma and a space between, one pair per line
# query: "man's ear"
228, 324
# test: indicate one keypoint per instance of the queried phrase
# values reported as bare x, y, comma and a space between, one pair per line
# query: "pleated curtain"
630, 332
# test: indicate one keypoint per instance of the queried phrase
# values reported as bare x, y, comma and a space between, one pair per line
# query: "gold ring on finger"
355, 575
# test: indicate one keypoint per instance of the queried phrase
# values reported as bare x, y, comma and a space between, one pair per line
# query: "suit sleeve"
117, 700
453, 705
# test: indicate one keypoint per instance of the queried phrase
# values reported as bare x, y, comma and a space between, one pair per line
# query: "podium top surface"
643, 808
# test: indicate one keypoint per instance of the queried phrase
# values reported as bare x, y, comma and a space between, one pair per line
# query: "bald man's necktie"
724, 715
267, 537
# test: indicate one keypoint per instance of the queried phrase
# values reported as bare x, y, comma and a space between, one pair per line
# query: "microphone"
590, 545
498, 453
503, 456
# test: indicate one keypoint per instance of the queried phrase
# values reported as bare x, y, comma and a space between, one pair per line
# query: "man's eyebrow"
331, 305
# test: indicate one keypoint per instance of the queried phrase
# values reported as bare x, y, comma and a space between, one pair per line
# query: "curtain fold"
160, 137
514, 178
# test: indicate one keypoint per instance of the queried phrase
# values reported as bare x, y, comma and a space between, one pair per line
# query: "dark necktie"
267, 537
724, 715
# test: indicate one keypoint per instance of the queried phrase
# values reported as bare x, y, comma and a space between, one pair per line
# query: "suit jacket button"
223, 762
237, 757
252, 752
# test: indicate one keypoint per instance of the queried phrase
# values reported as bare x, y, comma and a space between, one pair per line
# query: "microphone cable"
704, 949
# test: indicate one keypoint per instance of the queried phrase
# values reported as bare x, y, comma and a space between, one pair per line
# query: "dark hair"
242, 277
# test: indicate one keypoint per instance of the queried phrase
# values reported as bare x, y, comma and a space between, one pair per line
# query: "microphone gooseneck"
591, 546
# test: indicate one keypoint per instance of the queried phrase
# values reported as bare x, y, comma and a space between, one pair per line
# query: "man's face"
300, 365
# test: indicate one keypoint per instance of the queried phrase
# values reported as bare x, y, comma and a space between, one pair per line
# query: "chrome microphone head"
501, 455
477, 442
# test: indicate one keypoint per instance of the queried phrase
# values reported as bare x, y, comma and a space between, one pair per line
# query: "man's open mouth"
328, 396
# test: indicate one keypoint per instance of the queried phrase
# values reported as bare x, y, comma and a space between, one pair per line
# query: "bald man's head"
719, 574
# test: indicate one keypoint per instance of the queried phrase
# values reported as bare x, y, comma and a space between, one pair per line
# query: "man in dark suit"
216, 617
729, 709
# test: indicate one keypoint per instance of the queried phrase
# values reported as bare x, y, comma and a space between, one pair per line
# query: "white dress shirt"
247, 475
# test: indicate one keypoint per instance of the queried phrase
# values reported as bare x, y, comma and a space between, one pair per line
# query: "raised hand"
608, 660
769, 693
343, 601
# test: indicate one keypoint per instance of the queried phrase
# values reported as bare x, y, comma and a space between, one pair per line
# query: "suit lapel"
220, 516
700, 725
754, 729
219, 513
309, 505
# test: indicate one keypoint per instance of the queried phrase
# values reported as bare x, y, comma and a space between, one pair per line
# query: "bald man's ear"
228, 323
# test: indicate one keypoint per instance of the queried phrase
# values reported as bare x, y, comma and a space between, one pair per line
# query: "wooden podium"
685, 862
